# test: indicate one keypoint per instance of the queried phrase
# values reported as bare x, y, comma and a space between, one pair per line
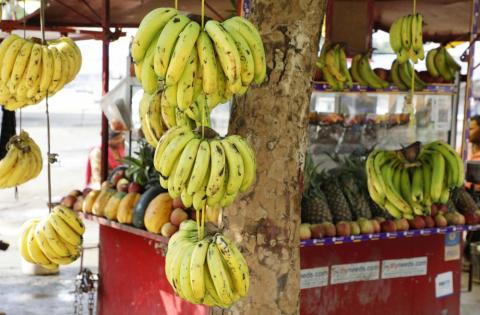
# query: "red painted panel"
132, 278
399, 296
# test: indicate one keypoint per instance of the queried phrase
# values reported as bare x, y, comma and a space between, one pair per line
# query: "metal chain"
78, 301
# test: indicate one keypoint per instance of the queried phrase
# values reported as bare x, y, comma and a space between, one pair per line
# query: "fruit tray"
440, 88
385, 236
124, 227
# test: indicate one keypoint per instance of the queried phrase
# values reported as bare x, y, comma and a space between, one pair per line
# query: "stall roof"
123, 13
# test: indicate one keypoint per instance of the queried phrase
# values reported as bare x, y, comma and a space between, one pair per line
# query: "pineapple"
336, 199
314, 203
464, 201
355, 197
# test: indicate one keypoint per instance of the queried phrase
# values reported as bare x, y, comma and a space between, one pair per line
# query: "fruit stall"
383, 204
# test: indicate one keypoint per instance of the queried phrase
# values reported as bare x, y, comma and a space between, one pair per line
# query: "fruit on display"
111, 208
22, 162
333, 64
52, 240
337, 202
204, 171
89, 200
406, 38
142, 204
158, 212
407, 182
200, 67
206, 270
363, 74
440, 64
126, 206
401, 76
30, 70
139, 169
101, 201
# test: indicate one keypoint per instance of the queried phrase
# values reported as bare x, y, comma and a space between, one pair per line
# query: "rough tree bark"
274, 118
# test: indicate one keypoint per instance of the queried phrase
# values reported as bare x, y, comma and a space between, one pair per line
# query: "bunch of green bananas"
363, 73
213, 63
210, 271
53, 240
441, 64
204, 170
333, 63
406, 38
401, 76
22, 162
157, 115
405, 188
30, 71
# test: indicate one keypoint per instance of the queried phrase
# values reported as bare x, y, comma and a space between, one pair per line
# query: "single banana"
200, 167
9, 161
146, 130
236, 168
407, 32
172, 153
149, 27
6, 43
20, 66
34, 249
22, 242
181, 53
220, 275
184, 276
354, 71
57, 70
149, 78
165, 141
187, 199
208, 63
247, 62
441, 64
197, 269
185, 86
154, 116
217, 172
167, 111
216, 199
199, 199
438, 173
340, 52
185, 165
55, 242
396, 35
417, 185
71, 218
417, 33
395, 76
249, 161
332, 63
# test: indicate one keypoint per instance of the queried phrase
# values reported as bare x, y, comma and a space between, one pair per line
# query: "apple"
75, 193
388, 226
433, 210
177, 203
330, 230
168, 229
135, 187
460, 218
417, 222
429, 222
343, 228
376, 226
116, 177
68, 201
354, 228
177, 216
122, 185
77, 206
451, 218
366, 226
85, 191
471, 218
442, 208
305, 232
379, 219
317, 230
440, 220
402, 224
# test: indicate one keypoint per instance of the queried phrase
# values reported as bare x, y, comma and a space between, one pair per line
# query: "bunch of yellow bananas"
199, 67
22, 162
406, 38
30, 71
401, 76
53, 240
157, 116
204, 170
408, 181
441, 64
333, 63
210, 271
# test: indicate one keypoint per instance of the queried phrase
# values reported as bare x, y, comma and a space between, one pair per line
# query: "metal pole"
105, 77
468, 84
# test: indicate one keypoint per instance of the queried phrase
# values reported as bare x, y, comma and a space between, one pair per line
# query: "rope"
50, 157
203, 13
176, 4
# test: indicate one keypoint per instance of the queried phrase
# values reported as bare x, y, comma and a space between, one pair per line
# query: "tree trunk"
274, 118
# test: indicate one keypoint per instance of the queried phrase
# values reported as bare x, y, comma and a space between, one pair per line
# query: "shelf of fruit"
336, 240
437, 88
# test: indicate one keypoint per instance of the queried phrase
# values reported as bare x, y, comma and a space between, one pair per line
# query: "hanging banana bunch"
22, 162
200, 67
406, 38
30, 71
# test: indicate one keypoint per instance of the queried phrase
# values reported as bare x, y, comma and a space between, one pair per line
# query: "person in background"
116, 153
474, 150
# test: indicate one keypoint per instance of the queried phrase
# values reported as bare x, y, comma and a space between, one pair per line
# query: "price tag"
443, 284
313, 277
452, 246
